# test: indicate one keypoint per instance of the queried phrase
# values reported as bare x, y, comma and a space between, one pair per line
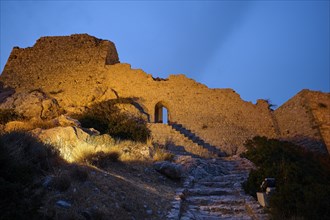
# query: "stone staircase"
176, 142
213, 190
212, 187
196, 139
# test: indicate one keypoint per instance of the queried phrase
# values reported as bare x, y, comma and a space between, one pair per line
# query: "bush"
106, 117
302, 178
7, 115
22, 160
101, 159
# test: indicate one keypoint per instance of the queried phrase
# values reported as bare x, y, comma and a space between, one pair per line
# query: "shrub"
7, 115
302, 178
101, 159
22, 160
161, 155
106, 117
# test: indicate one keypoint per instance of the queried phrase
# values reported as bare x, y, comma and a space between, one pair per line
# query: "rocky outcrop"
72, 142
32, 104
171, 170
75, 144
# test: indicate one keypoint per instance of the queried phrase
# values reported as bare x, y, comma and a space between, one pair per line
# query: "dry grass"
43, 124
126, 187
24, 125
161, 155
78, 153
99, 155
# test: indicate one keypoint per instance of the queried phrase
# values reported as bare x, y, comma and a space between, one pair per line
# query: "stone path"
212, 190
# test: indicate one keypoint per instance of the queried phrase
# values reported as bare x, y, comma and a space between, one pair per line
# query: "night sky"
261, 49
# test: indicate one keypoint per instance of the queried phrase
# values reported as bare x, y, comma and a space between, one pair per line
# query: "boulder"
72, 141
171, 170
33, 104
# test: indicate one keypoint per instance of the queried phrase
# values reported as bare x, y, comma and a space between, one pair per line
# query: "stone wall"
304, 119
74, 71
53, 57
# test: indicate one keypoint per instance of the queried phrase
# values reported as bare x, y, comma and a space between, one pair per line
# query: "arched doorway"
161, 113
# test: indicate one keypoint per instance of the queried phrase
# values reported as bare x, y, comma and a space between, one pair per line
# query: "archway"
161, 113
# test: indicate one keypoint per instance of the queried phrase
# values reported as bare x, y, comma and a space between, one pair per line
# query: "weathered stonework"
80, 70
305, 119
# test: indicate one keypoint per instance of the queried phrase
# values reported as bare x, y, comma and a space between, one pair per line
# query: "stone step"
210, 191
231, 177
195, 213
222, 184
194, 138
229, 209
188, 135
216, 200
200, 142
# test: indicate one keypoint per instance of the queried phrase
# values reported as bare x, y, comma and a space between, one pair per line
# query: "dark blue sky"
261, 49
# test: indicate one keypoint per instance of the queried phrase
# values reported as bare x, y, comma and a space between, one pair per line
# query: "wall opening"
161, 113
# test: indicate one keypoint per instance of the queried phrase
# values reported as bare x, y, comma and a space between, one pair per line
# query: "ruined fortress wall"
76, 71
319, 104
51, 57
300, 119
219, 116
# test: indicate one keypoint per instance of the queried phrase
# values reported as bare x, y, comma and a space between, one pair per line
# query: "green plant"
302, 178
271, 105
106, 117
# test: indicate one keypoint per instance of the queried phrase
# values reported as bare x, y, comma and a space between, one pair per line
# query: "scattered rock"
63, 204
64, 121
171, 170
47, 182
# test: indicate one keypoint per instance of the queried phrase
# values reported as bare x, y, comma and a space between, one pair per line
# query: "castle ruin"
80, 70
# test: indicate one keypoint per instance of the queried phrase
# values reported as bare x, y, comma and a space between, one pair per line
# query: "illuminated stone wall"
80, 70
305, 119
